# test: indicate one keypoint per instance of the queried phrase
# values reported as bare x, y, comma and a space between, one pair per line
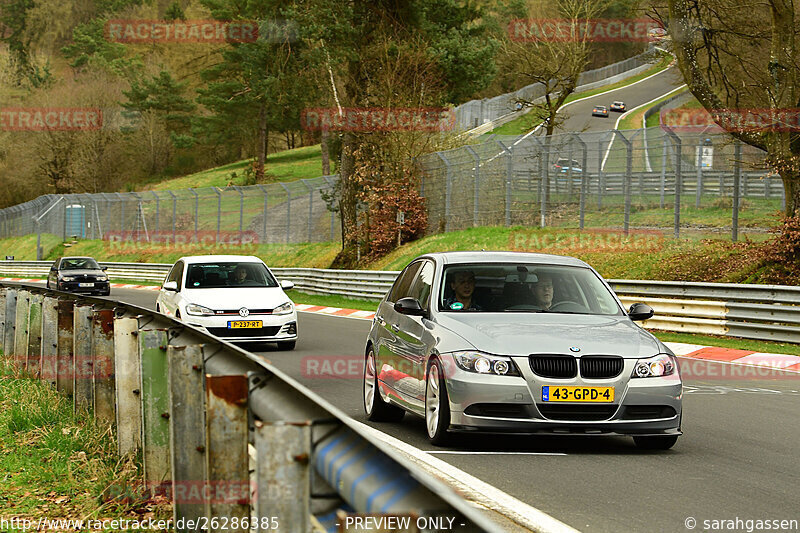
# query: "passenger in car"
463, 285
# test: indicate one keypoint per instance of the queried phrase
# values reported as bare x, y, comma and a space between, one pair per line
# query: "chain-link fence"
476, 112
611, 179
274, 213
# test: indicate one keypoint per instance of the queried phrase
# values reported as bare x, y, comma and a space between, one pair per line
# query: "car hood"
234, 298
527, 333
82, 272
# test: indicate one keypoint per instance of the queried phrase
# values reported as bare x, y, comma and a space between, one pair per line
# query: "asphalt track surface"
737, 457
578, 116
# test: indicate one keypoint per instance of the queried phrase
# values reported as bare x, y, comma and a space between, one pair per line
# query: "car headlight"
283, 309
482, 363
198, 310
654, 367
102, 278
68, 278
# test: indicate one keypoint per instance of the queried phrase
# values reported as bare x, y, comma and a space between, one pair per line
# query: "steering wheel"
563, 303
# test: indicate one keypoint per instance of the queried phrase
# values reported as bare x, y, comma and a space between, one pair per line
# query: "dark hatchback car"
78, 274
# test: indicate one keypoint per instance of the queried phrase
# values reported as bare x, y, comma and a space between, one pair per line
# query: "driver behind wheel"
543, 291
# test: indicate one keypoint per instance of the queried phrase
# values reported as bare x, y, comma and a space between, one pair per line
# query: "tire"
287, 345
375, 408
655, 442
437, 405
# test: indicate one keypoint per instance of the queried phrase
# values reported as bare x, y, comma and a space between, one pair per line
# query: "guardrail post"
226, 446
82, 357
2, 316
21, 328
155, 407
187, 429
49, 350
64, 365
283, 475
128, 385
32, 365
103, 365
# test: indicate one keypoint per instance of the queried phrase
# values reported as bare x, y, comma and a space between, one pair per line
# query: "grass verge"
524, 124
59, 464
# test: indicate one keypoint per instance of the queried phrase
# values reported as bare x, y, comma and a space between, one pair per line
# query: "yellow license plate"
237, 324
577, 394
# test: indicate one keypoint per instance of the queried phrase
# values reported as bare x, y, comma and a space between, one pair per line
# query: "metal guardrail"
208, 418
765, 312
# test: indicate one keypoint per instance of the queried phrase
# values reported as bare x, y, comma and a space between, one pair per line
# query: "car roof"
618, 102
77, 257
450, 258
193, 259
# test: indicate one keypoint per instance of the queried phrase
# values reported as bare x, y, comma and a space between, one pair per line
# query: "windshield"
79, 263
525, 288
229, 275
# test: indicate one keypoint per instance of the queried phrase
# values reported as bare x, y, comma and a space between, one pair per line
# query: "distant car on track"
78, 274
518, 342
618, 106
563, 166
233, 297
600, 111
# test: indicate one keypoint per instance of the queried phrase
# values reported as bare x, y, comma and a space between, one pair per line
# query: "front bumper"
97, 287
641, 406
276, 328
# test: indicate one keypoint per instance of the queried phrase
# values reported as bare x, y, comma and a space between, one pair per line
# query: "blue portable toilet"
75, 221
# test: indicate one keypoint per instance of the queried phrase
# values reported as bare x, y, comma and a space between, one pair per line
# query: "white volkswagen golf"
233, 297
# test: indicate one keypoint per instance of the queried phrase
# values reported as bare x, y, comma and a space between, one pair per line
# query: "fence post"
476, 185
264, 214
32, 365
600, 184
187, 428
509, 177
155, 407
241, 213
219, 210
127, 391
545, 196
663, 171
3, 291
283, 474
584, 185
49, 366
310, 207
288, 212
174, 213
678, 180
21, 328
196, 208
626, 183
103, 365
699, 161
737, 175
226, 444
447, 187
82, 356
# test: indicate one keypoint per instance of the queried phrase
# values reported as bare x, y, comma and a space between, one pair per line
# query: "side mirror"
103, 268
287, 285
640, 311
170, 286
409, 306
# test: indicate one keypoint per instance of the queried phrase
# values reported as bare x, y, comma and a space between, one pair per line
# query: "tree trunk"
326, 160
262, 143
347, 203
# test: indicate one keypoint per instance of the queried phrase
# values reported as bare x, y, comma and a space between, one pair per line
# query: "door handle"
395, 328
380, 320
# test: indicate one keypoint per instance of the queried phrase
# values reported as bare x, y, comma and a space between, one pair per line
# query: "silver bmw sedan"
518, 342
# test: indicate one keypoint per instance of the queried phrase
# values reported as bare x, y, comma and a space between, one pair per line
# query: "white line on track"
462, 452
626, 113
476, 491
